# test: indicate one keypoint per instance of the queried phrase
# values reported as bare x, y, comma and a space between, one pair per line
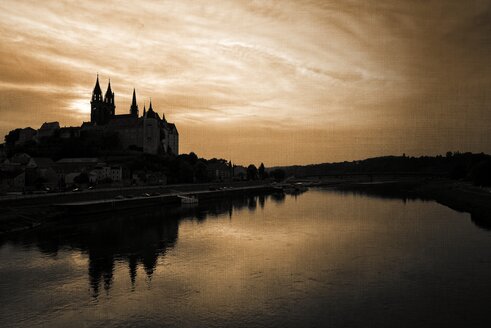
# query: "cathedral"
149, 133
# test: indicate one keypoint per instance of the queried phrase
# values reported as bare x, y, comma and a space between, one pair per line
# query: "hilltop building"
149, 133
107, 134
47, 130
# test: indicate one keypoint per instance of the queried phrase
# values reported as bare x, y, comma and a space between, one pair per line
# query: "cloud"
370, 66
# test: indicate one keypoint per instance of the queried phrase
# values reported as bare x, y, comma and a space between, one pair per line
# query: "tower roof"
150, 109
133, 102
151, 113
134, 105
97, 88
109, 92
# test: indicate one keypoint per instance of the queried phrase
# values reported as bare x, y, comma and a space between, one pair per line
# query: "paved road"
110, 193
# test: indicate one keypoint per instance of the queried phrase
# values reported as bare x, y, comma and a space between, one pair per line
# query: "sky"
274, 81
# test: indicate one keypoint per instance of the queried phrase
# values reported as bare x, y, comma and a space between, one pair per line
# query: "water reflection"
136, 241
137, 237
278, 198
275, 261
381, 193
481, 220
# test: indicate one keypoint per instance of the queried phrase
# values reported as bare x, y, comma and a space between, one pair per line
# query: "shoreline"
457, 195
33, 212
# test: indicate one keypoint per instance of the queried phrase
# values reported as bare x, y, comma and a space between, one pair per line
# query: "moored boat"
188, 200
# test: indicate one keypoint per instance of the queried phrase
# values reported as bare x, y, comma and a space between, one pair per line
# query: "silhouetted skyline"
279, 82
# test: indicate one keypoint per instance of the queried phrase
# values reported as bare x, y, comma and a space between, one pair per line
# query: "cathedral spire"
150, 109
109, 100
101, 110
97, 89
134, 97
134, 105
109, 94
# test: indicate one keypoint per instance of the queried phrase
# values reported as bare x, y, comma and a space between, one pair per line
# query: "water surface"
317, 259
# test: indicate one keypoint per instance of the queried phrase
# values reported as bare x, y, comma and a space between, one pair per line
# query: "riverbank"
458, 195
31, 211
23, 213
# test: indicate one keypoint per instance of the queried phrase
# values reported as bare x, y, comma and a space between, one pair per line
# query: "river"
321, 258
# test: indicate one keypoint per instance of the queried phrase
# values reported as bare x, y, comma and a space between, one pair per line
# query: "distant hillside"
456, 165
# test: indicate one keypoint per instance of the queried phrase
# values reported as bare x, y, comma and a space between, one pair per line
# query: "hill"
475, 167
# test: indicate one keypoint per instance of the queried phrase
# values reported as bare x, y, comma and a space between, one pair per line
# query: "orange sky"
282, 82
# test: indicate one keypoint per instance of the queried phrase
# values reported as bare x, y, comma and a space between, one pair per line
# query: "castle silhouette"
149, 132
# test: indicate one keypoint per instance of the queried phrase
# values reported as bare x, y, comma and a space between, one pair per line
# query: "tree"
261, 171
200, 171
481, 174
185, 172
252, 172
459, 171
278, 174
12, 137
193, 158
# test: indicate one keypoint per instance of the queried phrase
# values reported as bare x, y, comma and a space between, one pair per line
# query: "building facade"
48, 129
148, 133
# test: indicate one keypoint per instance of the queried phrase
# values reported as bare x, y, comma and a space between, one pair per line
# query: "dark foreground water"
319, 259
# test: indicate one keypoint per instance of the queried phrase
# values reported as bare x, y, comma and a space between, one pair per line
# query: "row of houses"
47, 129
223, 171
22, 171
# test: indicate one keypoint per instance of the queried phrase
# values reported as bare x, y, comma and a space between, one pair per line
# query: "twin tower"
103, 108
